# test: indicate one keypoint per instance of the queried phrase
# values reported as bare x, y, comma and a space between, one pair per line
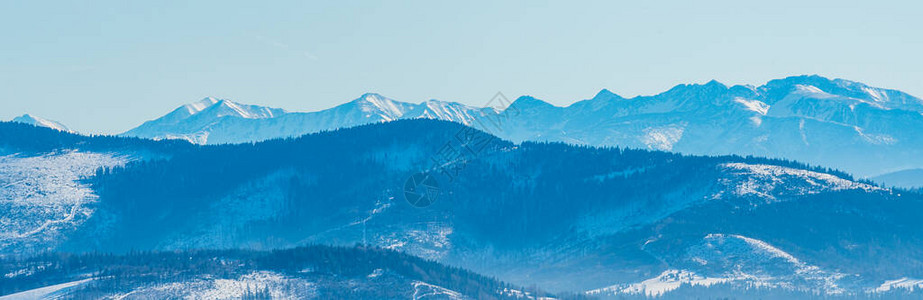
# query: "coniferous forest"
504, 211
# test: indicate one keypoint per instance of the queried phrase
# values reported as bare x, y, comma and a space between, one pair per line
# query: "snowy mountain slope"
45, 195
41, 122
736, 261
193, 122
815, 244
806, 118
43, 198
213, 121
743, 261
277, 286
812, 119
769, 183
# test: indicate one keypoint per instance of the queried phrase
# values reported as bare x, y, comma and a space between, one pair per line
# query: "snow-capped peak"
375, 103
216, 108
41, 122
807, 118
845, 90
810, 90
224, 108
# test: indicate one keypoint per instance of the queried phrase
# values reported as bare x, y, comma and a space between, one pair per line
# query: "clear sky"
106, 66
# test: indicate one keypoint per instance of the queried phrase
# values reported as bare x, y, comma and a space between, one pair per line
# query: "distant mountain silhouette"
831, 122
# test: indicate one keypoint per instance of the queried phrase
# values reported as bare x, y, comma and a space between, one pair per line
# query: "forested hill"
25, 138
291, 189
562, 217
318, 272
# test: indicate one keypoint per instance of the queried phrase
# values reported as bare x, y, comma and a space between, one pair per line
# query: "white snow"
45, 196
758, 244
41, 122
44, 292
662, 138
215, 121
771, 181
706, 121
374, 103
874, 93
667, 281
423, 290
740, 261
193, 108
753, 105
278, 285
909, 284
878, 139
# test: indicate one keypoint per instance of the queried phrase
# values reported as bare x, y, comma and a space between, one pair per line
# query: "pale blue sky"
106, 66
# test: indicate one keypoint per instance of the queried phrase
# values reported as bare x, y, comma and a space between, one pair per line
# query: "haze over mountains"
600, 222
829, 122
834, 123
639, 217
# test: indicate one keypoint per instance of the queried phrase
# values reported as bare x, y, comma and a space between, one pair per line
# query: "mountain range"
701, 191
829, 122
601, 222
833, 123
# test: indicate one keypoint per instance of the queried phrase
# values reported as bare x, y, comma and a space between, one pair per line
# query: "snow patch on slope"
42, 197
378, 105
667, 281
196, 107
905, 283
41, 122
735, 260
770, 182
47, 292
755, 262
753, 105
423, 290
662, 138
278, 285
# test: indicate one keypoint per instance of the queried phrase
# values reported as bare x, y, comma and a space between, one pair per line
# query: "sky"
106, 66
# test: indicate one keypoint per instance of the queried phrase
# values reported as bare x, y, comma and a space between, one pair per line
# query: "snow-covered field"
277, 285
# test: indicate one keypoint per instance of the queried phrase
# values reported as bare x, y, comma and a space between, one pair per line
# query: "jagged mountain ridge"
806, 118
202, 123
